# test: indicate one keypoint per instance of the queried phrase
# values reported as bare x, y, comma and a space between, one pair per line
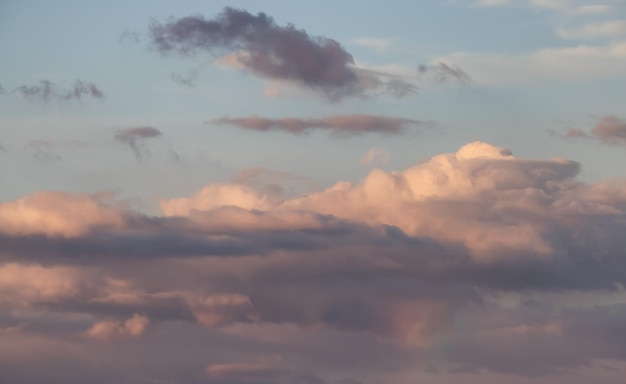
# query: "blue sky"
239, 194
506, 105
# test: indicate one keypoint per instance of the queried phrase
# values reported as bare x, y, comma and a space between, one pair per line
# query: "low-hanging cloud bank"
499, 259
259, 45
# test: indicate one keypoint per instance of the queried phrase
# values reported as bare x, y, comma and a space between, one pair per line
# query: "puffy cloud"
433, 199
47, 91
339, 125
135, 138
27, 284
214, 196
269, 50
115, 330
58, 214
479, 253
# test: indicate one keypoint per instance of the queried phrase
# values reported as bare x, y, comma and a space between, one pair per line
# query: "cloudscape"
313, 192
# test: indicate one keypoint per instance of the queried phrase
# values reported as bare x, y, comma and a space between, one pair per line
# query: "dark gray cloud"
271, 51
135, 138
443, 72
47, 91
340, 125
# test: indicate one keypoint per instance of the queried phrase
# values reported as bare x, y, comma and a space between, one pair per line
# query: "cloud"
374, 154
47, 91
43, 151
593, 9
257, 44
613, 28
570, 133
493, 3
576, 63
57, 214
376, 43
115, 330
509, 264
443, 72
244, 372
338, 125
187, 80
609, 130
130, 36
135, 138
27, 284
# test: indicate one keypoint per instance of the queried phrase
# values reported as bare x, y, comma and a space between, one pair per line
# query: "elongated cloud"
609, 130
135, 138
47, 91
340, 125
257, 44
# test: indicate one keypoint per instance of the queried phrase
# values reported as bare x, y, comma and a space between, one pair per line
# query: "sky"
317, 192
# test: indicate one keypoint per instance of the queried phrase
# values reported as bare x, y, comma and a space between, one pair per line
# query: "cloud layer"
475, 250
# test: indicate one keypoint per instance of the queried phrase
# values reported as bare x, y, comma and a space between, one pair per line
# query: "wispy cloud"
187, 80
612, 28
47, 91
373, 155
443, 72
375, 43
135, 138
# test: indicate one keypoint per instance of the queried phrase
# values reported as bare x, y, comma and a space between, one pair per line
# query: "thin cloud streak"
338, 125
